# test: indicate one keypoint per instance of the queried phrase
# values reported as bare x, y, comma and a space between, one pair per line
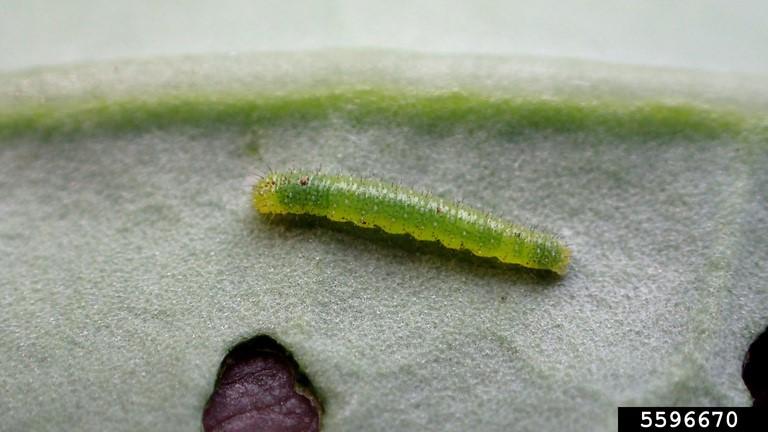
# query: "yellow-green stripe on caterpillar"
398, 210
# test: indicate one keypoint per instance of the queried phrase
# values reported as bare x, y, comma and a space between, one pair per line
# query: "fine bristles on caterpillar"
398, 210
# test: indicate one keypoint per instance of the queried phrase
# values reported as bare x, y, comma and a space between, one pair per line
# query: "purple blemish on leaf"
260, 388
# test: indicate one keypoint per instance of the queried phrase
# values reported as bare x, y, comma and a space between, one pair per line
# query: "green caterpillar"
399, 210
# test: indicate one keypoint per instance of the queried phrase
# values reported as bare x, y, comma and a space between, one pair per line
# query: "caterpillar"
396, 209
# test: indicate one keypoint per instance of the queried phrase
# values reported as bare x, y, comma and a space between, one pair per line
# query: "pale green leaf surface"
131, 259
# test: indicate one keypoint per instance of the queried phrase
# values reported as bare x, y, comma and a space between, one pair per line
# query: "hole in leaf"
755, 370
261, 388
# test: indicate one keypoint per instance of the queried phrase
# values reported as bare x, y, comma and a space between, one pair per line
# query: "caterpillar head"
264, 196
